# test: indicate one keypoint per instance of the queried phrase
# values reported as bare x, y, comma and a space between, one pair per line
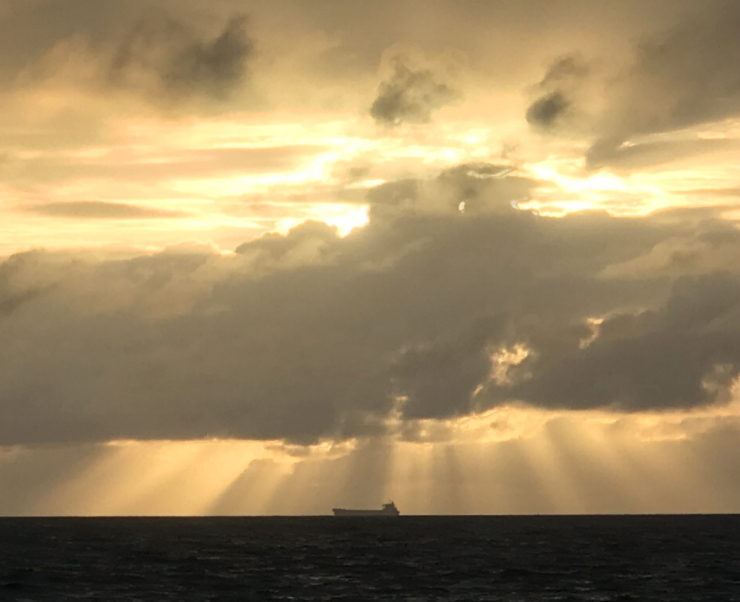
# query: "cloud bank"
420, 315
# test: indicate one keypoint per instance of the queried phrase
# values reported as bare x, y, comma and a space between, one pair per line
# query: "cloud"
11, 300
647, 154
483, 187
99, 210
438, 379
167, 56
170, 53
721, 192
33, 29
19, 282
682, 355
471, 188
546, 111
411, 94
557, 93
310, 336
677, 78
686, 75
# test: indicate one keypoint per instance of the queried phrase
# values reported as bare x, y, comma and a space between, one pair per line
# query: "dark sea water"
407, 558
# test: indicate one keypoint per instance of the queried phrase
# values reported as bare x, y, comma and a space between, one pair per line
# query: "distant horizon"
365, 519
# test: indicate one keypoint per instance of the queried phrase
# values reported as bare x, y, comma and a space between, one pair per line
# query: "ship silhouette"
388, 509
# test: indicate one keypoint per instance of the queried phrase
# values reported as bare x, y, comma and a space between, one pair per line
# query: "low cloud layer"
307, 336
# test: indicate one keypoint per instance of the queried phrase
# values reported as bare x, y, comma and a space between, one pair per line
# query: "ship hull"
374, 513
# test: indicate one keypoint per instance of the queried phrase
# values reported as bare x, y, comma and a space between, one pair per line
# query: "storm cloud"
682, 355
310, 336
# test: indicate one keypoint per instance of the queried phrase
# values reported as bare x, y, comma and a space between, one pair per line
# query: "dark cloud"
99, 210
438, 379
411, 95
32, 29
306, 336
484, 32
687, 75
546, 111
681, 355
557, 92
682, 76
176, 60
169, 51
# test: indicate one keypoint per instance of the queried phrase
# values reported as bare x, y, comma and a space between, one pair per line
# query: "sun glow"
345, 218
510, 459
565, 188
345, 223
230, 179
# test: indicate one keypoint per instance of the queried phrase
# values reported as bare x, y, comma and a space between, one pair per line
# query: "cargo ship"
388, 509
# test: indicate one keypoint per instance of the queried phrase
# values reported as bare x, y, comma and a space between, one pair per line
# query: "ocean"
502, 558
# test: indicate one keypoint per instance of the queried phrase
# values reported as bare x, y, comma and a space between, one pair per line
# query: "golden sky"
270, 258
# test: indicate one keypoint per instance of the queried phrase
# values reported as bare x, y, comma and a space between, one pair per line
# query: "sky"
278, 257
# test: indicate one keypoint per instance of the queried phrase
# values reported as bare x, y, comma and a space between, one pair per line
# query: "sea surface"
408, 558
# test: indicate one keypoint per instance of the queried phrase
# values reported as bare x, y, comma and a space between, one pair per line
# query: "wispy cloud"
100, 210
